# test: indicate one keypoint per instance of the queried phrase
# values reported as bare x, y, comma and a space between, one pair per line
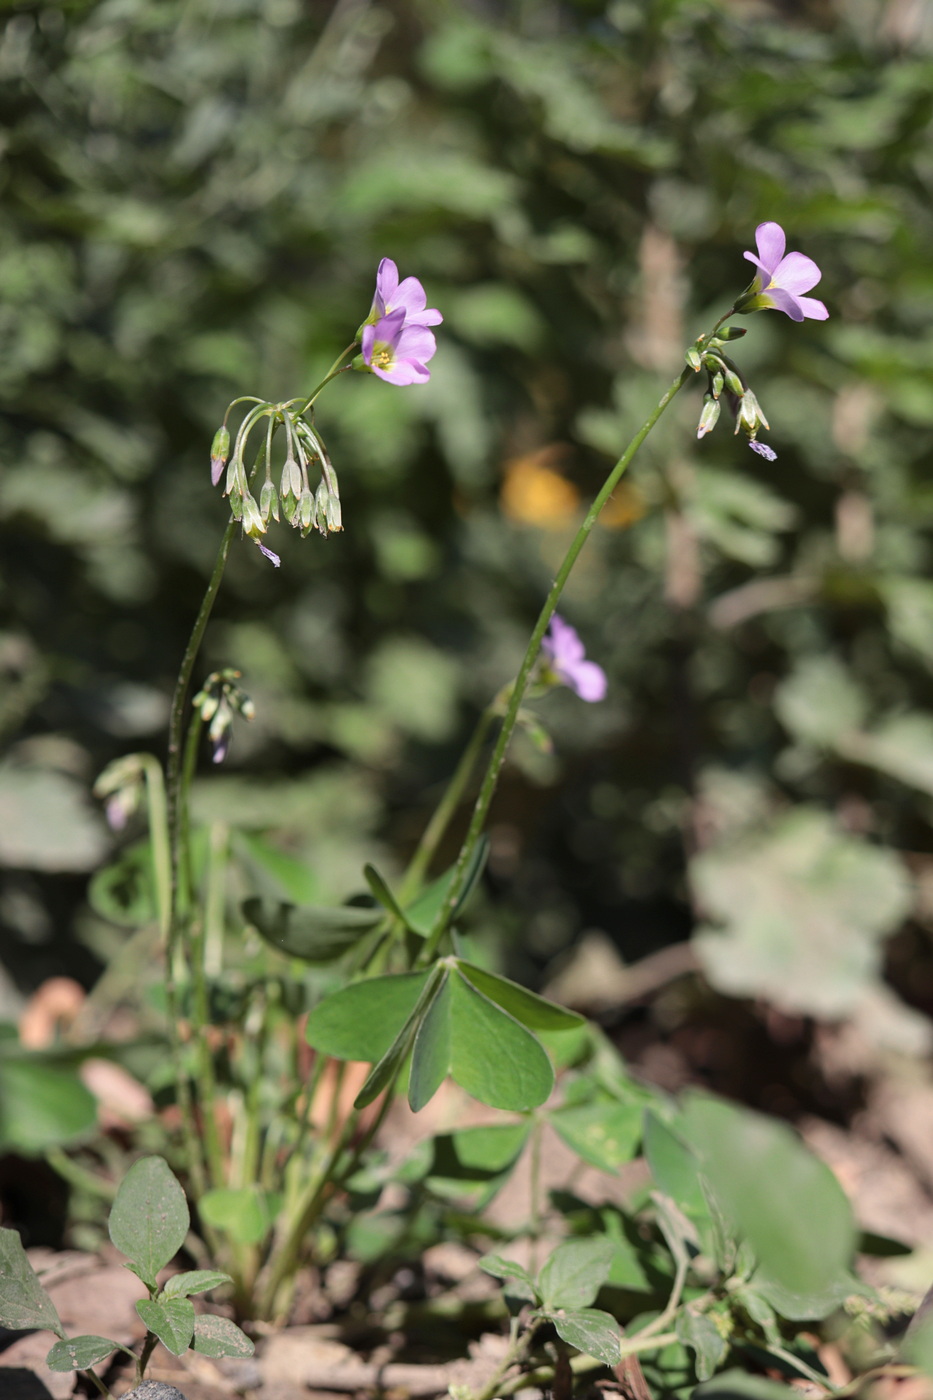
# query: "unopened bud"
750, 416
253, 523
334, 517
709, 416
322, 506
713, 363
734, 383
291, 478
306, 510
220, 447
731, 333
716, 384
269, 501
692, 356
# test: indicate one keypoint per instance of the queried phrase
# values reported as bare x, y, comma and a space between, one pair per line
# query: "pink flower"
781, 280
409, 296
565, 656
397, 350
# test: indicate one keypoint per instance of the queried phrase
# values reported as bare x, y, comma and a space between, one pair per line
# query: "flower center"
382, 355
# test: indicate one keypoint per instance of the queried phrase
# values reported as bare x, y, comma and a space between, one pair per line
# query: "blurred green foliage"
195, 199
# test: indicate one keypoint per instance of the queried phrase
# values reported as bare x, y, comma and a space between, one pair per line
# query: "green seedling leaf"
78, 1353
430, 1056
490, 1149
384, 1072
803, 1233
314, 935
218, 1336
699, 1332
42, 1104
537, 1013
381, 891
574, 1273
276, 872
604, 1134
759, 1310
422, 914
591, 1331
799, 1305
242, 1212
518, 1280
24, 1303
195, 1281
172, 1321
739, 1385
360, 1022
492, 1056
674, 1166
149, 1219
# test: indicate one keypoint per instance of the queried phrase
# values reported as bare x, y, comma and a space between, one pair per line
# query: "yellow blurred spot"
624, 507
535, 494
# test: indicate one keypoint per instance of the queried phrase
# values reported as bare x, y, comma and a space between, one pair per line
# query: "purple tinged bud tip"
270, 554
763, 450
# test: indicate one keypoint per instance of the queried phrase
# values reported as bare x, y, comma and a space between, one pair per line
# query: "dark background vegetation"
195, 197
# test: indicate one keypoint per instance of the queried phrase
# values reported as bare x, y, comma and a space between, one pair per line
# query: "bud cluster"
216, 702
291, 495
724, 378
120, 788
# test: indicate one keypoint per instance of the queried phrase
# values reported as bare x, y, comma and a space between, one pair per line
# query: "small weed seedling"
148, 1223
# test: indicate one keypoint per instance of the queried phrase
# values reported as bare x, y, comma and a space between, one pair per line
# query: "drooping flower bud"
253, 523
268, 501
692, 356
750, 417
220, 447
709, 416
734, 383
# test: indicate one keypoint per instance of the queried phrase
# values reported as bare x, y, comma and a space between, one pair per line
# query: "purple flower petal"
270, 554
796, 273
813, 309
404, 372
783, 301
770, 240
565, 655
409, 296
763, 450
386, 283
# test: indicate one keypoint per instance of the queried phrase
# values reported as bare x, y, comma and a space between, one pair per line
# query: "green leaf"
42, 1104
820, 701
699, 1332
381, 891
218, 1336
537, 1013
149, 1219
605, 1134
315, 935
493, 1057
575, 1272
471, 1165
194, 1281
803, 1233
522, 1284
674, 1167
278, 874
739, 1385
680, 1233
591, 1331
360, 1022
24, 1303
430, 1056
803, 1305
171, 1319
385, 1070
422, 914
243, 1212
77, 1353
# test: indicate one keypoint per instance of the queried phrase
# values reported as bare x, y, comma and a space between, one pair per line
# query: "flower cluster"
564, 662
396, 341
217, 701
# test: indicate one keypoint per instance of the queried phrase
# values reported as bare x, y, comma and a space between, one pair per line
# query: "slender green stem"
93, 1376
790, 1359
336, 368
420, 862
664, 1318
483, 801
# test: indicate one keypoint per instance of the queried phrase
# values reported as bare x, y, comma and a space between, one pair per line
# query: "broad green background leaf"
739, 1385
674, 1166
802, 1233
533, 1011
42, 1104
494, 1058
23, 1301
244, 1212
605, 1134
431, 1052
149, 1218
803, 908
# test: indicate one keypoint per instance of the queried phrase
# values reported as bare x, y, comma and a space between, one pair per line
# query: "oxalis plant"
741, 1238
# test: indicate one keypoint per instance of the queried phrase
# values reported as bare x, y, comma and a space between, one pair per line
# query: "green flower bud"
734, 383
729, 333
709, 416
716, 384
306, 510
750, 416
692, 356
268, 501
219, 449
253, 523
